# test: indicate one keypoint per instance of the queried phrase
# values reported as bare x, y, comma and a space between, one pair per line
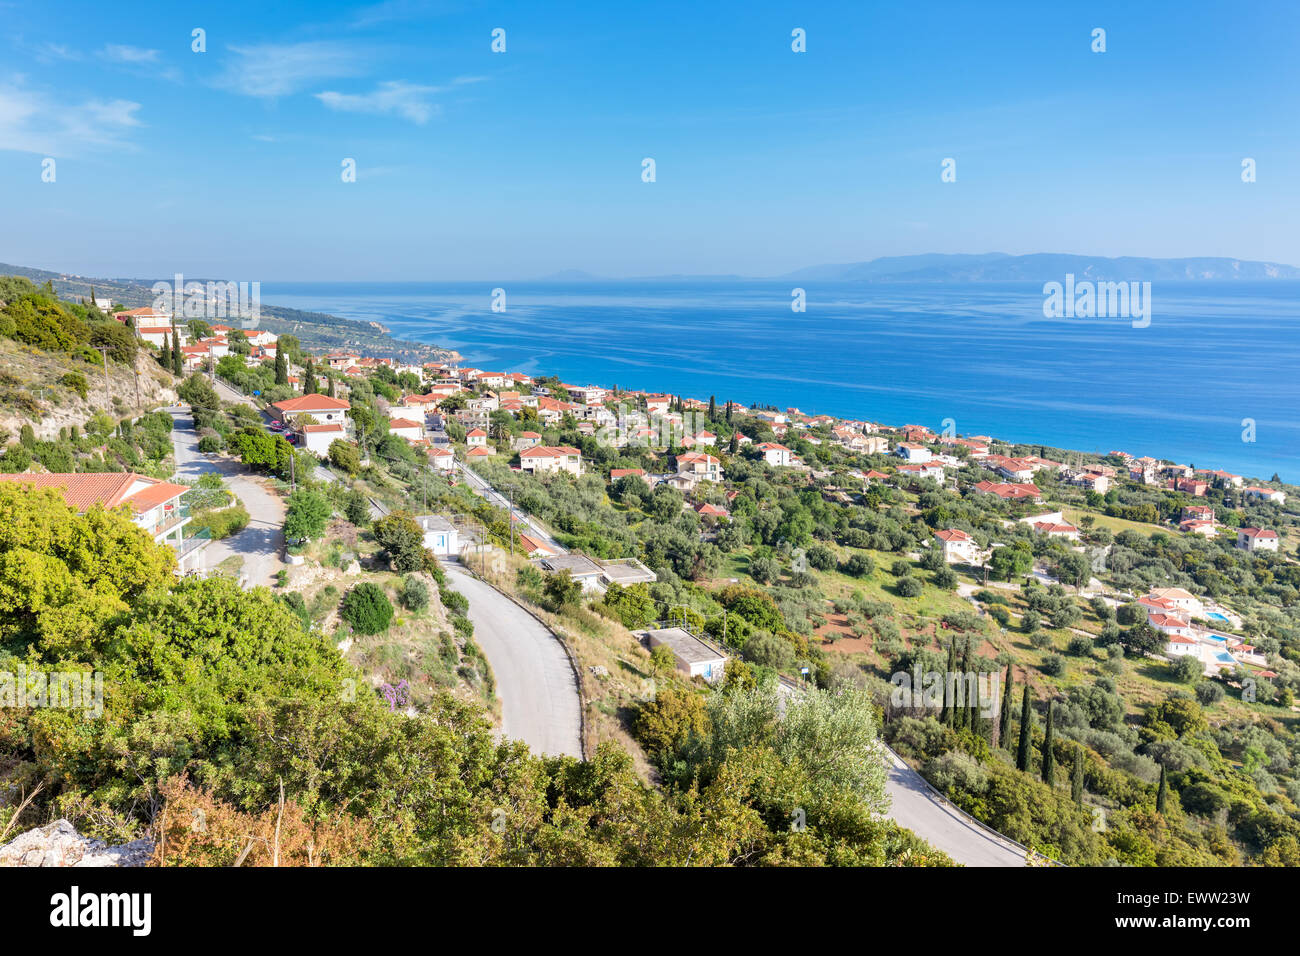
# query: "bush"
415, 594
454, 601
910, 587
307, 515
76, 382
367, 609
1209, 692
1079, 646
210, 444
344, 456
1053, 665
859, 565
402, 537
357, 509
1187, 669
223, 523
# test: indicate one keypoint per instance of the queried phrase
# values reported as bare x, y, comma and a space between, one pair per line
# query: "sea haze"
980, 353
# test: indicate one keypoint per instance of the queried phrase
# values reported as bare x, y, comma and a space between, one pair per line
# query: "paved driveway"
262, 542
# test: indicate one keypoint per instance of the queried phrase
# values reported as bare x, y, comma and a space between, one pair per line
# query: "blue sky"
480, 165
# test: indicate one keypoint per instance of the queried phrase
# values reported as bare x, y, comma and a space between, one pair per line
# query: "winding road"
540, 704
918, 808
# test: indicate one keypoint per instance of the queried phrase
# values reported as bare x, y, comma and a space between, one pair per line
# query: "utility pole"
108, 389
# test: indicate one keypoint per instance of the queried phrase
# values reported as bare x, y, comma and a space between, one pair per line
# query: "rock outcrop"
59, 844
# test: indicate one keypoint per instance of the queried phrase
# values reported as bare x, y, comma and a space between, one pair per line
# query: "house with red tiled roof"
1257, 539
154, 505
711, 511
1015, 491
957, 546
323, 408
777, 455
481, 451
476, 438
697, 466
406, 428
526, 440
547, 458
441, 458
616, 473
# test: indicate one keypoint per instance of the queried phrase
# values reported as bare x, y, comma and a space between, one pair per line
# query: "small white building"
406, 428
442, 459
440, 535
957, 546
318, 438
695, 658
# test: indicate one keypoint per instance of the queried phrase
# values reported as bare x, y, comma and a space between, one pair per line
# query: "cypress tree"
309, 379
735, 443
281, 368
713, 409
1049, 756
728, 412
1004, 722
178, 363
947, 716
1162, 794
1026, 727
1076, 778
329, 390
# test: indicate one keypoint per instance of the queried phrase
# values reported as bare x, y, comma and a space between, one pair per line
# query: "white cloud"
32, 122
271, 70
394, 97
134, 55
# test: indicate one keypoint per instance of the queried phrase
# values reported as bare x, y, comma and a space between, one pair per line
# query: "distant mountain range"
1001, 267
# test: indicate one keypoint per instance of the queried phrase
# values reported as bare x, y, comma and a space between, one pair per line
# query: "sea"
1213, 380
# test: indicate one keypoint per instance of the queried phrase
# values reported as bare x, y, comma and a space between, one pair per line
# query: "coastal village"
636, 544
449, 419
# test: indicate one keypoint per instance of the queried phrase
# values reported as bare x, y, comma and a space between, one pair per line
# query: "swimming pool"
1217, 616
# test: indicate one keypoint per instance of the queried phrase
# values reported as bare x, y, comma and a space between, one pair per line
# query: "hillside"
315, 330
1039, 267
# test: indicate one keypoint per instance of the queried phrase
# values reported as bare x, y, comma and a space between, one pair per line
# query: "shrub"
308, 513
910, 587
357, 509
859, 565
415, 594
402, 537
367, 609
1079, 646
76, 382
210, 444
454, 601
1040, 639
1053, 665
1209, 692
1187, 669
225, 522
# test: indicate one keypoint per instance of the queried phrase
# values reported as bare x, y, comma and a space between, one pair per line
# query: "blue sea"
982, 354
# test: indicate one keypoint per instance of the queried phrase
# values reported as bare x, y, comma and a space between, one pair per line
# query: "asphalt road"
484, 490
540, 704
915, 806
262, 542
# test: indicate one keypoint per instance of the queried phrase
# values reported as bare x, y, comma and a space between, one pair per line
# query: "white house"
694, 657
443, 459
547, 458
476, 438
440, 535
323, 408
318, 438
914, 452
777, 456
1268, 494
957, 546
406, 428
1257, 539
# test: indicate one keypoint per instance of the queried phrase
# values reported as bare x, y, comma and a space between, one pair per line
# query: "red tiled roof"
110, 489
307, 403
406, 423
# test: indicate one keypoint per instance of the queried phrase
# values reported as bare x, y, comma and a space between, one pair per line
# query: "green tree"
345, 456
1162, 792
356, 509
1049, 750
1076, 777
402, 537
1026, 730
307, 514
561, 591
1004, 716
367, 609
